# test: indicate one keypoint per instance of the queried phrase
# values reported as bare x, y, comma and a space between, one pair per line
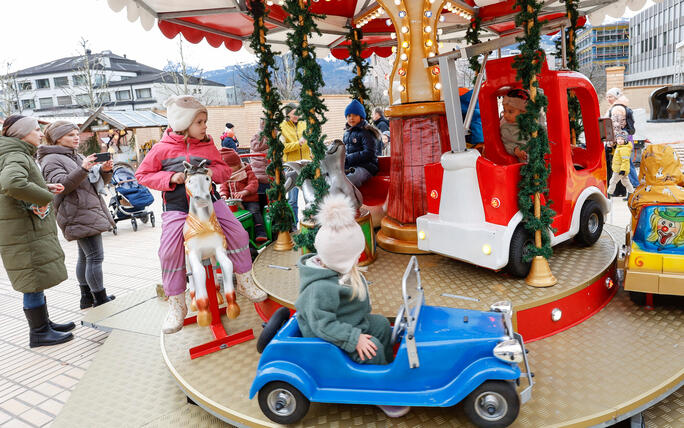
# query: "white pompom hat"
340, 240
181, 110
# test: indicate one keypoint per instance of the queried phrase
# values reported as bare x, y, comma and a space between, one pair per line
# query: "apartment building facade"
61, 87
604, 45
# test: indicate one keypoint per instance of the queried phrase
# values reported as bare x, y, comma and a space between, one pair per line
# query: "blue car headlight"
509, 351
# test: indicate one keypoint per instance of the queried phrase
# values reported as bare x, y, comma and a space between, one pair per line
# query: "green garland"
574, 109
534, 174
472, 36
356, 88
312, 109
281, 214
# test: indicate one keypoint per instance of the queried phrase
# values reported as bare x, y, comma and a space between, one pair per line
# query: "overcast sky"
36, 31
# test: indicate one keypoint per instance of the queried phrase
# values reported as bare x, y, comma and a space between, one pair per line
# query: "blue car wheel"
283, 403
493, 404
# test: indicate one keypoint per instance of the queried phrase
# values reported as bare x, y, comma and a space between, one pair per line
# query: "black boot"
86, 297
41, 334
101, 297
59, 327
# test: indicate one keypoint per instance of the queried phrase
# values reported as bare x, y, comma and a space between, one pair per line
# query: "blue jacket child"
360, 139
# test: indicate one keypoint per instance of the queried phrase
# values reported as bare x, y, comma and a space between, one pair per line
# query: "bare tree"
10, 92
184, 79
283, 78
90, 82
597, 75
378, 80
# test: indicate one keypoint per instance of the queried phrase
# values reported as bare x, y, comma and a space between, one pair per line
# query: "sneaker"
395, 411
176, 315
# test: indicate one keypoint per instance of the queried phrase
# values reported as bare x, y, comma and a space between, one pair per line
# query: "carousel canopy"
227, 23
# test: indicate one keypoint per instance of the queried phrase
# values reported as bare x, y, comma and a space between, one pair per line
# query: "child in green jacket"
333, 302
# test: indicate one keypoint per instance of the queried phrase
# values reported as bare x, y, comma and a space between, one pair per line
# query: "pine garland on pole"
472, 36
312, 109
534, 175
281, 220
356, 88
574, 109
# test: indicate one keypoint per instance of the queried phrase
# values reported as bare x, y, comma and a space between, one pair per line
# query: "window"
46, 102
64, 100
61, 82
143, 93
100, 80
42, 83
123, 95
83, 99
80, 80
25, 86
28, 104
104, 97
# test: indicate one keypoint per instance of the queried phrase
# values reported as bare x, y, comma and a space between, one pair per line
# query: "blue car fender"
476, 374
283, 371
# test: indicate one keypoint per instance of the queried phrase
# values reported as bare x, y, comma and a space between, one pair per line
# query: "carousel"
479, 223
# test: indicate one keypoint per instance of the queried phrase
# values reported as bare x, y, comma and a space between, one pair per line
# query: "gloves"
622, 173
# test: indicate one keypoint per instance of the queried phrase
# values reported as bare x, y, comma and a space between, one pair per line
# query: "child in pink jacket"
162, 169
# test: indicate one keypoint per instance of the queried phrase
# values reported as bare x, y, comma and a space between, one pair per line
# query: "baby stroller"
130, 198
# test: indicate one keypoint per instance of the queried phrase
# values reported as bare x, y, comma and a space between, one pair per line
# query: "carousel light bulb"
432, 1
405, 44
428, 14
438, 86
435, 70
397, 2
431, 54
404, 29
402, 71
428, 43
402, 14
269, 3
403, 57
393, 35
427, 29
400, 88
358, 25
388, 22
394, 49
439, 31
442, 18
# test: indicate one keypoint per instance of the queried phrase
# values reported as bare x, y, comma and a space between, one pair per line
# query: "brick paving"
35, 383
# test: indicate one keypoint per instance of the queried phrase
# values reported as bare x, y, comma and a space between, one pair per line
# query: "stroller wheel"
135, 224
144, 218
115, 231
152, 219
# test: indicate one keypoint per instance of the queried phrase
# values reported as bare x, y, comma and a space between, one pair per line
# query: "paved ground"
35, 383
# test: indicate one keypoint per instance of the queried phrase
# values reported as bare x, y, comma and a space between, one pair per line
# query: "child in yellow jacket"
620, 164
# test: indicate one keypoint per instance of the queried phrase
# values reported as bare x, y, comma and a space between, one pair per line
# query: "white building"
60, 87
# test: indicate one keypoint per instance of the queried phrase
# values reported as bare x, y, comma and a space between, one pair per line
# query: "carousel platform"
622, 361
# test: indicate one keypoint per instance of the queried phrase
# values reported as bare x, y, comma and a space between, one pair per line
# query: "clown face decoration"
667, 227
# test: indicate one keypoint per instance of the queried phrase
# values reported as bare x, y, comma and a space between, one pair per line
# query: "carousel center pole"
418, 126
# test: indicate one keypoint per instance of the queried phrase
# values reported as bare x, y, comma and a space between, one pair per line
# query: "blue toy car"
445, 355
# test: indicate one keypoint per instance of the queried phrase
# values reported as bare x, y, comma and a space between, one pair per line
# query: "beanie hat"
355, 107
340, 240
181, 110
229, 125
621, 134
230, 156
57, 130
19, 126
616, 92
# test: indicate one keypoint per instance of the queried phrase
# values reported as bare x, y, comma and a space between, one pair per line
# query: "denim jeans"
34, 300
359, 176
633, 177
89, 264
292, 199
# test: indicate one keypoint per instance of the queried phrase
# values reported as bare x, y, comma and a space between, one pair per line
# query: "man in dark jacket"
380, 122
360, 139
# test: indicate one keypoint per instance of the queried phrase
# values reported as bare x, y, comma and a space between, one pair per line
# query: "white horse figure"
204, 239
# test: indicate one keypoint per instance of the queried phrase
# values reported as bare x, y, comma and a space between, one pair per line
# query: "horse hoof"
193, 305
204, 318
232, 311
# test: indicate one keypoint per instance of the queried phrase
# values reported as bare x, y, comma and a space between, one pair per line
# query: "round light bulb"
397, 2
402, 14
427, 29
428, 14
438, 86
405, 44
403, 57
400, 88
388, 22
404, 29
428, 43
442, 18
